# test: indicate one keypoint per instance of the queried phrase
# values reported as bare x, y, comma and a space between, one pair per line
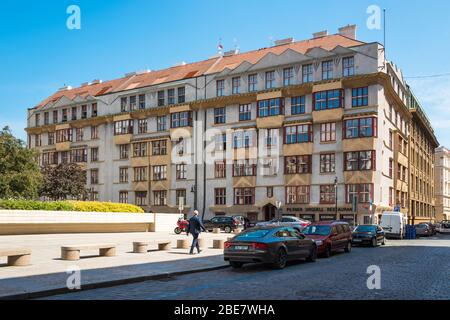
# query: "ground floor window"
160, 198
123, 196
141, 198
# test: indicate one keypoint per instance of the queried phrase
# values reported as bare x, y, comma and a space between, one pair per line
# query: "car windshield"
317, 230
421, 226
254, 234
365, 229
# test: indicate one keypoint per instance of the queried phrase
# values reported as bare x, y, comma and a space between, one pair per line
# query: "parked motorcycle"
182, 226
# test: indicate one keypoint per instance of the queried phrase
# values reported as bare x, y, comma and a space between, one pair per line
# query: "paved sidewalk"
48, 272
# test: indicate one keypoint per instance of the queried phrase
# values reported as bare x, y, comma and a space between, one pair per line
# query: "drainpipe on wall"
204, 155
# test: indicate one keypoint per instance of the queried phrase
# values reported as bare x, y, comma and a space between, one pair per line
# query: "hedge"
82, 206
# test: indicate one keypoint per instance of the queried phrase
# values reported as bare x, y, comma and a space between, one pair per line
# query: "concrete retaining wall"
15, 222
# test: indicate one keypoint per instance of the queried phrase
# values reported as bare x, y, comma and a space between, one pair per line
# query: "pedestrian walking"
195, 228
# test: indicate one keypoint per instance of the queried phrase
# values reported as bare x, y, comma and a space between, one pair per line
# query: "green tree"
64, 181
20, 175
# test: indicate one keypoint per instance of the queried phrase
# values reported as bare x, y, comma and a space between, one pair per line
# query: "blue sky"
39, 54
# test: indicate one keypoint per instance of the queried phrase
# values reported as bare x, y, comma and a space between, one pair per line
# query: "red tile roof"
195, 69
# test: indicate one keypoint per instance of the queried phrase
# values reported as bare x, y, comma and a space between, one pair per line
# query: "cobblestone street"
414, 269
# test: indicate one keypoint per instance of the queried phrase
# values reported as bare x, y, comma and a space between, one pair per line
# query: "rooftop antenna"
236, 46
220, 47
384, 29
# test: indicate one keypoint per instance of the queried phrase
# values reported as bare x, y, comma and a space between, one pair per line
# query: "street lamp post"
335, 194
278, 203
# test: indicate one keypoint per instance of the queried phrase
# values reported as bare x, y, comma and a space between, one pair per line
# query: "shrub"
84, 206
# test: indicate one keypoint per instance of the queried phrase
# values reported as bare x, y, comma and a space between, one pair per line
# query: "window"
297, 164
46, 118
140, 198
391, 167
94, 176
327, 163
94, 132
245, 112
307, 73
220, 196
328, 132
220, 142
159, 172
94, 110
243, 139
351, 191
79, 134
220, 169
327, 70
244, 196
140, 149
298, 105
348, 66
78, 155
140, 174
252, 82
37, 140
270, 79
270, 107
123, 127
330, 99
142, 101
55, 116
159, 147
51, 138
132, 103
123, 175
360, 128
298, 134
161, 101
181, 119
142, 126
123, 196
219, 115
180, 171
220, 88
288, 76
327, 194
63, 135
271, 138
94, 154
359, 160
360, 97
84, 111
363, 192
236, 85
269, 192
181, 94
160, 198
65, 157
161, 123
297, 195
74, 113
123, 104
124, 151
171, 96
244, 168
64, 115
180, 193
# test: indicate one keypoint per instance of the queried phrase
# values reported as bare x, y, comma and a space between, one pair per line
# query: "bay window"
298, 134
270, 107
359, 161
360, 128
298, 105
297, 164
330, 99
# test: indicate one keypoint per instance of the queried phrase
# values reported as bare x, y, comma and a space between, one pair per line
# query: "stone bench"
142, 246
17, 257
216, 230
72, 253
218, 243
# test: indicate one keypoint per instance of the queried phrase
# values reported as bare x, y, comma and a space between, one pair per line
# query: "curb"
106, 284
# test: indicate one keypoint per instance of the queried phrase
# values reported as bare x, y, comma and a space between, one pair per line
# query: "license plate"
357, 240
243, 248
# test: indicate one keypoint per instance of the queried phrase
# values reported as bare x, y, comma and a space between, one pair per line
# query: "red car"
330, 236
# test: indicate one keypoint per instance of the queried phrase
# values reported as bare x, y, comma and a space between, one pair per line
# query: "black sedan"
272, 245
368, 234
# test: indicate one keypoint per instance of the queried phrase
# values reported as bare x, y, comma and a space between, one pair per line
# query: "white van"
394, 224
444, 226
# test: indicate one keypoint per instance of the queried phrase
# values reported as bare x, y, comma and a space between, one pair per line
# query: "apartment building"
308, 125
442, 183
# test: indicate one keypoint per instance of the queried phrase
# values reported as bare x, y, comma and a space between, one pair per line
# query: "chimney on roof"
179, 64
96, 81
348, 31
231, 52
65, 88
320, 34
283, 41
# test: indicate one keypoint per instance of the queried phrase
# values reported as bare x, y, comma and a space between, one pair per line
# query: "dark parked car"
225, 223
368, 234
330, 236
424, 230
273, 245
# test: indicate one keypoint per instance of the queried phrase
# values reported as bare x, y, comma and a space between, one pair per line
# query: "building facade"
309, 125
442, 183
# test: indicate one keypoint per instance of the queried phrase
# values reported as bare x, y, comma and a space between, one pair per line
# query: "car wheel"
227, 229
281, 259
236, 264
327, 252
313, 255
374, 242
177, 230
348, 247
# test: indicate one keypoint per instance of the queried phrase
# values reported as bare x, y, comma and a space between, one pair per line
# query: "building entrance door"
269, 211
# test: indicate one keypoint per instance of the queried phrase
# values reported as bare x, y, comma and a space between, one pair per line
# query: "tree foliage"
20, 175
64, 181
